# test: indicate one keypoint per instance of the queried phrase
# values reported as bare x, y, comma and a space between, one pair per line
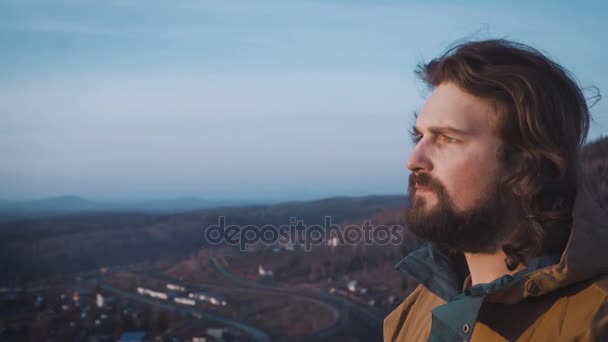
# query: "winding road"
346, 308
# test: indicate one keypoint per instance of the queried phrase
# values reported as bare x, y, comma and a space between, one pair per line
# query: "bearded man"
515, 247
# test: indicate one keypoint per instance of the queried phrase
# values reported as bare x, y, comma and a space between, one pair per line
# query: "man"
516, 248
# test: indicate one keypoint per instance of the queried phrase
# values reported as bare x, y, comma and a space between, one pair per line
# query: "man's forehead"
449, 106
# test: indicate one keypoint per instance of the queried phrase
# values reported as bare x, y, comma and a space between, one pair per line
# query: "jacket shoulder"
394, 320
597, 329
412, 318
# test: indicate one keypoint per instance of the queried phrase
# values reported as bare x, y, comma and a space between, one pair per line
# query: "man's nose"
418, 160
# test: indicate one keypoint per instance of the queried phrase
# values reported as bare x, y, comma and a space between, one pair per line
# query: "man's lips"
421, 188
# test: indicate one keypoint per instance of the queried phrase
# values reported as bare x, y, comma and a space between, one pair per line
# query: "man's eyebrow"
437, 130
447, 129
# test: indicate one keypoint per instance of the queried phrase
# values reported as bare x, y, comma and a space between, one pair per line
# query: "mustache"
425, 180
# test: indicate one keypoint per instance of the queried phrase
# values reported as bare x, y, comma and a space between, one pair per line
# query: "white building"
352, 286
174, 287
264, 271
184, 301
99, 300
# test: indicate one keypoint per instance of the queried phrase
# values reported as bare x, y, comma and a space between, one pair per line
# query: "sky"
243, 100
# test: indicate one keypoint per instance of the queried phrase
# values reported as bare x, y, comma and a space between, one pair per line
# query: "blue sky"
242, 99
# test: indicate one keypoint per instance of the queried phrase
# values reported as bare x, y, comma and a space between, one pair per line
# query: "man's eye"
447, 139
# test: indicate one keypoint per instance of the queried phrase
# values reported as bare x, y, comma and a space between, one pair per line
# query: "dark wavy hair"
542, 118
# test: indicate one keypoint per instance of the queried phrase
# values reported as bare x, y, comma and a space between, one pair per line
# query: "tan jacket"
567, 301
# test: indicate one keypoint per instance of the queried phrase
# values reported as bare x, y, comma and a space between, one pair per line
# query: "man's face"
455, 199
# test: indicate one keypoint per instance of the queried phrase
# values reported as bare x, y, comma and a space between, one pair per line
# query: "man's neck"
485, 268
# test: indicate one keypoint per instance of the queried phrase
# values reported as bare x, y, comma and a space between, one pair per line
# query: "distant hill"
11, 210
51, 204
34, 248
65, 205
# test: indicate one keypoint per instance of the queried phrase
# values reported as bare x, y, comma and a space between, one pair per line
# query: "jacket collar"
433, 269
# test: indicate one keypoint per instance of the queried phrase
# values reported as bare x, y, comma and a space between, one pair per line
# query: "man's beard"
479, 229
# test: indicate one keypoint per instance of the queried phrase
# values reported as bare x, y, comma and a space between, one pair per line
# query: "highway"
255, 333
347, 313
